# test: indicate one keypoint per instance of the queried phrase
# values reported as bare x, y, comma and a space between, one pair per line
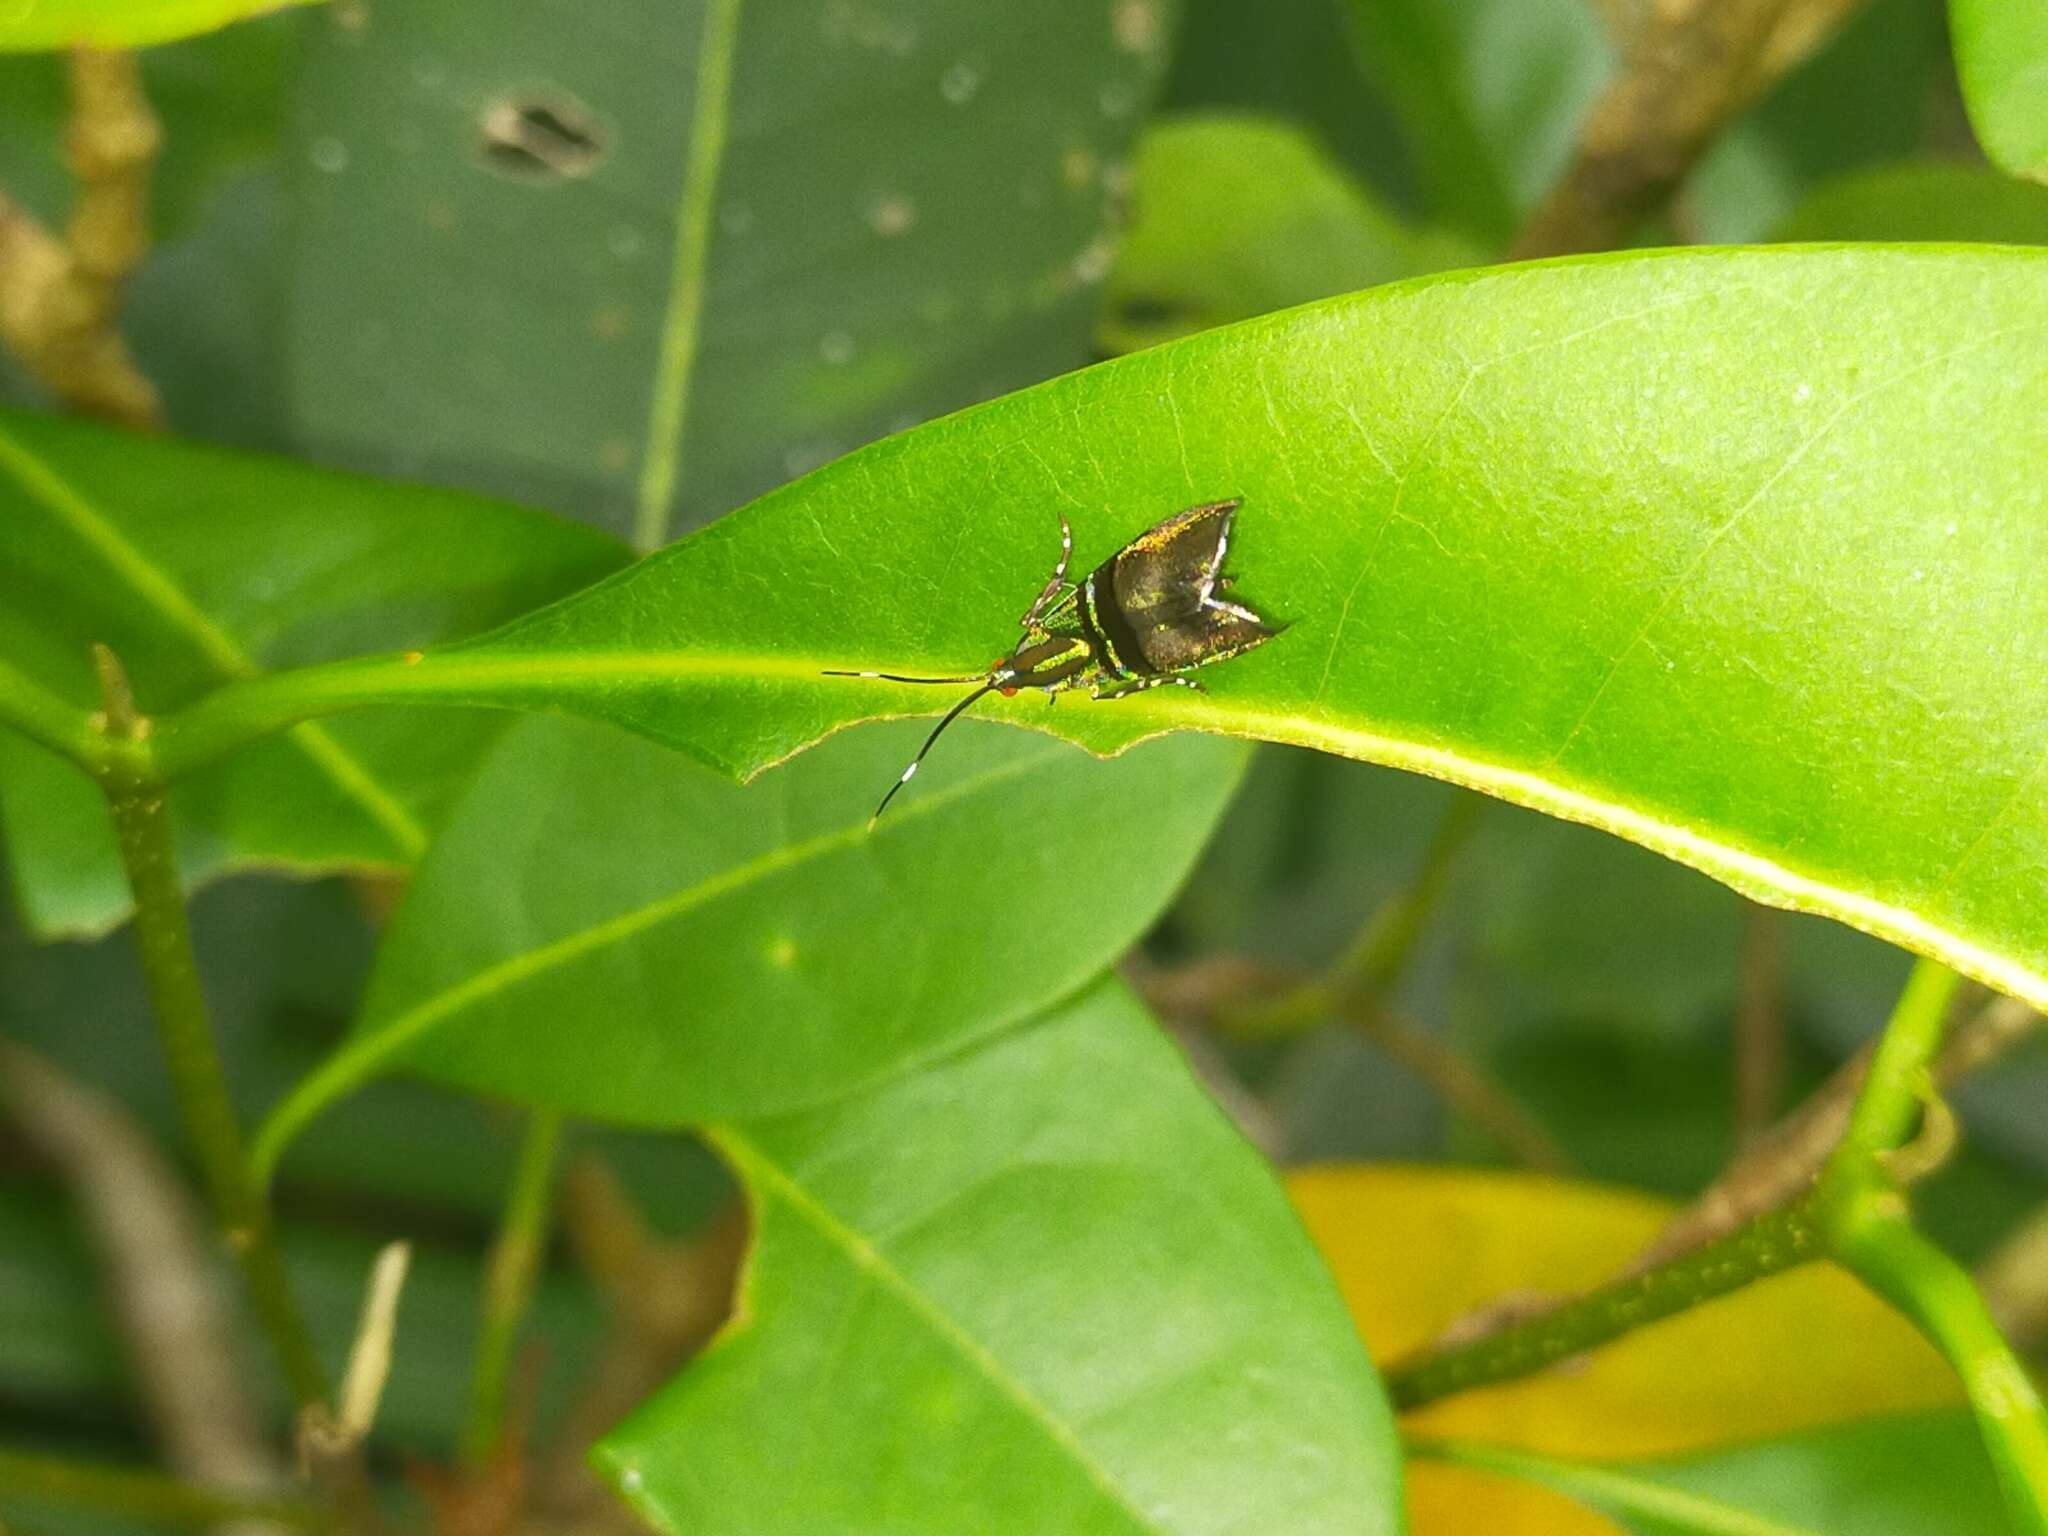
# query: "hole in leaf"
542, 138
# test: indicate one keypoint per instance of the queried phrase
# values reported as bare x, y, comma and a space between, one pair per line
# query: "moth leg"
1055, 591
1133, 685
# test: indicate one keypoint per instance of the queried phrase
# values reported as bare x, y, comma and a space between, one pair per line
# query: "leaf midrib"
380, 1041
771, 1179
668, 405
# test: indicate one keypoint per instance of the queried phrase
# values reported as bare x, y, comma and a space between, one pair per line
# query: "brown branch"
1691, 67
1780, 1164
667, 1297
151, 1240
2014, 1280
60, 297
1244, 999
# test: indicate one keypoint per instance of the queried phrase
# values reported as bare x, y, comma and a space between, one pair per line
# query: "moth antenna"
951, 715
895, 677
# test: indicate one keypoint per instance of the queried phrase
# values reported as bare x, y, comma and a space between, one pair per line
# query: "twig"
667, 1298
1691, 66
60, 298
508, 1283
1759, 1023
148, 1233
1782, 1162
164, 939
1774, 1242
331, 1442
138, 1494
2014, 1280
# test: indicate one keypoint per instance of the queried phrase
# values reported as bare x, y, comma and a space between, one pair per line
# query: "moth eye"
1008, 693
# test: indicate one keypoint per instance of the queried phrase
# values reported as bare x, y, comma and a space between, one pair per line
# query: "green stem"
142, 831
1376, 959
1898, 1081
1610, 1490
1869, 1229
1881, 1246
668, 410
47, 720
508, 1283
137, 1493
1776, 1241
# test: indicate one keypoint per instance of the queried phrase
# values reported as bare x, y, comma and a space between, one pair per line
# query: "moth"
1145, 618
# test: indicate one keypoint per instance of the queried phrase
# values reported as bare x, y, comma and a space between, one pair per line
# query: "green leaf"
1042, 1287
32, 26
1742, 555
643, 271
1923, 202
1489, 94
1880, 1477
198, 566
2002, 60
658, 945
1238, 215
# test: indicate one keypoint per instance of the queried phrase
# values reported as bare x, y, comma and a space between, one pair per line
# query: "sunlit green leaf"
36, 25
656, 944
1041, 1288
2002, 60
197, 567
1742, 555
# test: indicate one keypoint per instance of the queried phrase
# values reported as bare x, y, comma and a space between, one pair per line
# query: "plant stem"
1613, 1490
1776, 1241
508, 1282
1869, 1229
1880, 1244
1898, 1079
163, 937
137, 1493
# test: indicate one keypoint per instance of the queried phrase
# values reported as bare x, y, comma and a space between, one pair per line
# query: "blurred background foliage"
926, 205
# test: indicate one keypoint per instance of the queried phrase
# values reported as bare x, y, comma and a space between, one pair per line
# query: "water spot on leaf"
736, 218
959, 83
891, 215
1135, 25
836, 347
328, 154
542, 136
1116, 99
782, 951
623, 241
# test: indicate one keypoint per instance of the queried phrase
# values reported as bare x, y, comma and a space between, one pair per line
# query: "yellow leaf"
1415, 1250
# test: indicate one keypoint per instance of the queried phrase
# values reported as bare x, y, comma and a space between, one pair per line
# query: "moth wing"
1201, 633
1176, 562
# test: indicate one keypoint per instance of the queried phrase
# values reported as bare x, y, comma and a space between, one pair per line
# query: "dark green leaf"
1041, 1287
1923, 202
911, 210
1240, 215
197, 567
1882, 1477
608, 927
1489, 94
